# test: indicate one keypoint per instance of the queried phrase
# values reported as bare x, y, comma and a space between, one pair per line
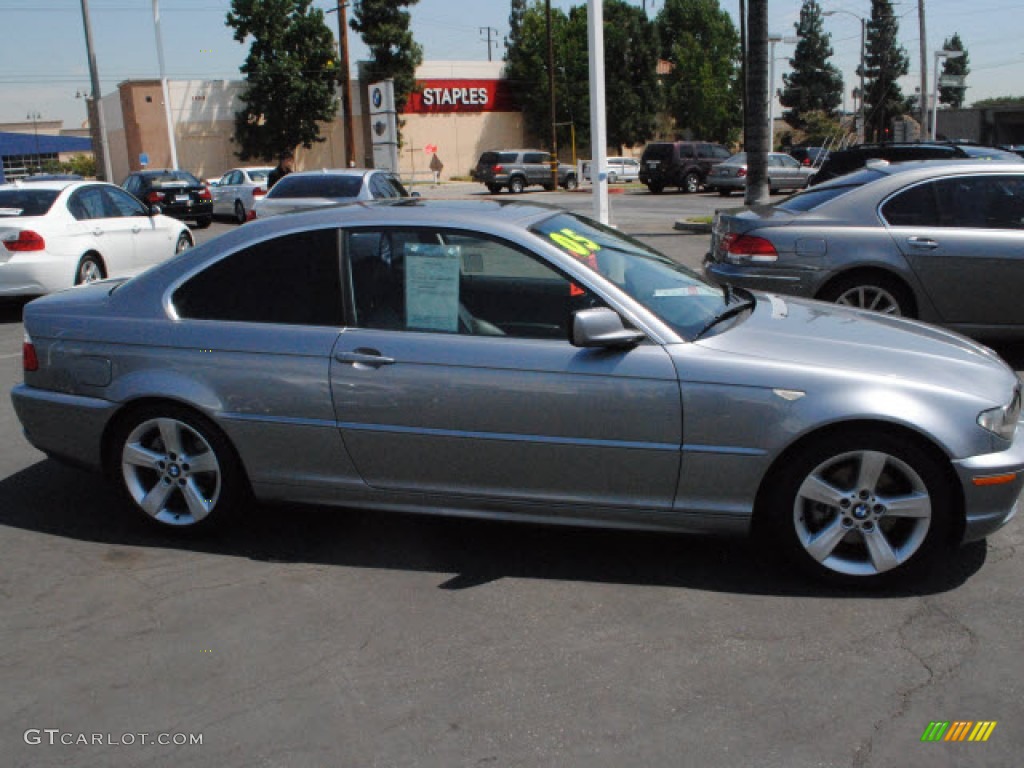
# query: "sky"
43, 62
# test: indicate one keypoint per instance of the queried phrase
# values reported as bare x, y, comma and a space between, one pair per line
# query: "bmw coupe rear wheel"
863, 507
179, 469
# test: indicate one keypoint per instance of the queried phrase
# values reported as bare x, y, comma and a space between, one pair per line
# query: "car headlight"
1002, 421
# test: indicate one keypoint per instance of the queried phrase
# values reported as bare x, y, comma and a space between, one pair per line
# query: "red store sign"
443, 96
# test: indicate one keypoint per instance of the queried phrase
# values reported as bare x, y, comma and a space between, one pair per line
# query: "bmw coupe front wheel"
862, 508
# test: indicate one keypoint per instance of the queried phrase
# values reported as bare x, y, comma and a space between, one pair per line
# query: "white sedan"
236, 190
56, 234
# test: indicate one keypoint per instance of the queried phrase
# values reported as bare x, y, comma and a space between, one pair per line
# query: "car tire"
656, 189
239, 212
691, 183
860, 507
570, 182
549, 187
203, 222
183, 244
516, 185
494, 188
725, 192
873, 291
177, 468
89, 270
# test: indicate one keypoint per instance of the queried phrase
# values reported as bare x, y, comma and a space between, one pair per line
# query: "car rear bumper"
36, 274
66, 427
793, 282
184, 211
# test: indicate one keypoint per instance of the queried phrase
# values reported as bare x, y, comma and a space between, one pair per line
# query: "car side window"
982, 202
704, 151
788, 162
123, 203
535, 157
914, 207
720, 152
291, 280
443, 281
88, 203
380, 187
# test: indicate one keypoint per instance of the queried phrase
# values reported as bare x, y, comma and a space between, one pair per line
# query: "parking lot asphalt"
324, 637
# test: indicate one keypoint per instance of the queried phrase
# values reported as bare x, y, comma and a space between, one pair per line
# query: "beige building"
461, 110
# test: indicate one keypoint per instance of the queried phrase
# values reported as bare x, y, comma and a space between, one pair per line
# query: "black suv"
844, 161
178, 193
682, 164
517, 169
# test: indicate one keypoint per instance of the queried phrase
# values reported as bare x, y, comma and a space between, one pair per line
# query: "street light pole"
862, 128
935, 86
172, 141
35, 117
772, 40
94, 76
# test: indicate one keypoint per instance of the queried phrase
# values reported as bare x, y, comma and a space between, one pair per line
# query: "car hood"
814, 334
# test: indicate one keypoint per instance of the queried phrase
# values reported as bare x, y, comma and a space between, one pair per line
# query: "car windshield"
26, 202
680, 297
173, 179
335, 187
810, 199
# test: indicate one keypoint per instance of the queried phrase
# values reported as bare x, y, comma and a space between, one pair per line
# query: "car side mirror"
155, 210
414, 194
602, 327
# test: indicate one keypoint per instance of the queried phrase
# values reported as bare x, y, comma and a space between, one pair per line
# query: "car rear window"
493, 158
317, 186
259, 175
811, 198
173, 179
26, 202
658, 152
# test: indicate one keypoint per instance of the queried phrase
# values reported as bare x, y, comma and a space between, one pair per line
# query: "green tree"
291, 75
1000, 101
702, 93
954, 95
820, 128
385, 27
885, 63
83, 165
815, 85
631, 79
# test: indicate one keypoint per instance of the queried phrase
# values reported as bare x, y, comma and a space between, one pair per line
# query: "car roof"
58, 184
336, 172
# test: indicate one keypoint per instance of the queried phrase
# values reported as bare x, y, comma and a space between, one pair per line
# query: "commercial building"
460, 110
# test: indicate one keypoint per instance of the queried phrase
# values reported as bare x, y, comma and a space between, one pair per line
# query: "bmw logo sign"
377, 98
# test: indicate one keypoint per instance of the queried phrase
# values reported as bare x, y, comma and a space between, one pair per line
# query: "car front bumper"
992, 485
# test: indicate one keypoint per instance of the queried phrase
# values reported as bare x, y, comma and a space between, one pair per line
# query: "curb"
696, 227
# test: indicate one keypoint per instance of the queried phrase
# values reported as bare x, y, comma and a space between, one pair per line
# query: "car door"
456, 377
784, 172
155, 237
100, 226
964, 238
224, 193
538, 167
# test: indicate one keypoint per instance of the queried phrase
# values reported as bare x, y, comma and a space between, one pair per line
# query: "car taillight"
499, 169
204, 194
740, 249
251, 215
29, 360
154, 197
741, 173
259, 191
806, 161
27, 240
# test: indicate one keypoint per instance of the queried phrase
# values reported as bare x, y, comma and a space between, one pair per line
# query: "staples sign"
438, 96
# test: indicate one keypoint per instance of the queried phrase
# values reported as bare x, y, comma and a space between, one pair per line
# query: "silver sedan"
784, 172
330, 186
517, 362
940, 241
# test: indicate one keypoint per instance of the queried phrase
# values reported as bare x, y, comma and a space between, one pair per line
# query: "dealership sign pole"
598, 131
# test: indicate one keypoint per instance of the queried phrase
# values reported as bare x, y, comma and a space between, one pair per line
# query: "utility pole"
924, 73
489, 30
94, 76
163, 85
551, 90
757, 100
346, 83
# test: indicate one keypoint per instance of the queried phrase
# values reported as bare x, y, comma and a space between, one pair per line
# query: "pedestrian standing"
285, 165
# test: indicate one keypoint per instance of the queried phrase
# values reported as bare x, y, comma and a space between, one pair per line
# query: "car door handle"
370, 357
922, 242
97, 231
136, 229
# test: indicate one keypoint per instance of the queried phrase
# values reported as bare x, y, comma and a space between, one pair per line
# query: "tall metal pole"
862, 131
346, 86
772, 40
551, 91
94, 76
598, 131
924, 71
163, 85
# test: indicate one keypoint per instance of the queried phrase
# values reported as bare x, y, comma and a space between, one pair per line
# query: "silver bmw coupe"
517, 362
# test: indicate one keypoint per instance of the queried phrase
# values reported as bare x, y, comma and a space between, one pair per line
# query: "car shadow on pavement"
11, 310
56, 500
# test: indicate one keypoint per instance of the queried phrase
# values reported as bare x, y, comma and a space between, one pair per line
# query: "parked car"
939, 241
56, 234
853, 158
311, 189
517, 169
682, 164
619, 169
237, 189
178, 193
809, 156
784, 172
519, 362
1017, 149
